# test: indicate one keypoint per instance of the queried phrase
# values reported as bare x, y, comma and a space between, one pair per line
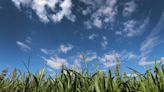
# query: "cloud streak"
150, 42
23, 46
47, 51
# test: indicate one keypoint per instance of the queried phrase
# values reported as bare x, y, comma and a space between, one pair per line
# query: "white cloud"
92, 36
88, 24
88, 2
125, 55
130, 28
50, 70
56, 62
66, 6
162, 58
146, 51
47, 51
86, 11
131, 55
132, 75
23, 46
65, 48
28, 40
19, 3
44, 51
76, 65
146, 48
110, 64
133, 28
97, 22
89, 56
103, 12
150, 42
129, 8
144, 62
111, 58
40, 8
104, 42
119, 33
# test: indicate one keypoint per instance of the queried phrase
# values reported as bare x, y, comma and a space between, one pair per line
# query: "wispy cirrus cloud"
28, 40
144, 62
41, 8
150, 42
23, 46
47, 51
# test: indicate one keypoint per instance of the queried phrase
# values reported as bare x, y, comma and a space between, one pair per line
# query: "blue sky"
56, 32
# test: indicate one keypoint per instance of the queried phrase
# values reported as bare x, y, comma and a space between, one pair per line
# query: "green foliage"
71, 81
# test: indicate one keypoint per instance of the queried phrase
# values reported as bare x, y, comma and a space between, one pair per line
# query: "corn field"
71, 81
